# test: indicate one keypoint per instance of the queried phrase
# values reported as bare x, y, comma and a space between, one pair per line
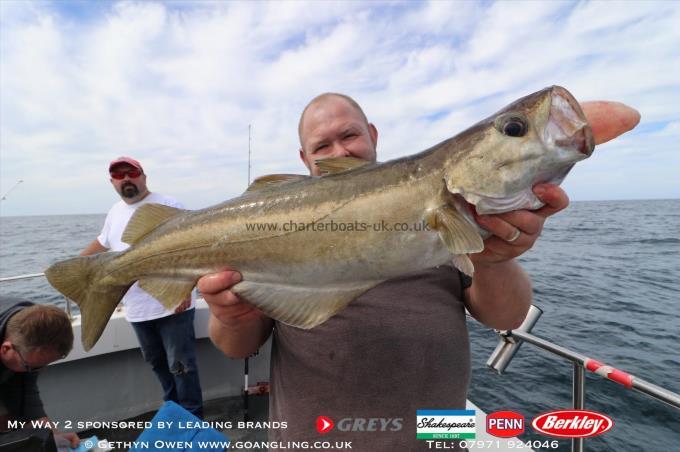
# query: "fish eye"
513, 126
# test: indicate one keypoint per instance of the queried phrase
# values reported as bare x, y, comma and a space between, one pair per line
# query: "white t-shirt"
139, 305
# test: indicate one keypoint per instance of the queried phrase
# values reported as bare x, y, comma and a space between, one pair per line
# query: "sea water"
606, 275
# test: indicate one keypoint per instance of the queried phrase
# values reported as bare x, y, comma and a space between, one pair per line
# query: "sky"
177, 84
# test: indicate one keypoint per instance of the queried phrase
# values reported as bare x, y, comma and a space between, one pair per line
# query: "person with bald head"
399, 347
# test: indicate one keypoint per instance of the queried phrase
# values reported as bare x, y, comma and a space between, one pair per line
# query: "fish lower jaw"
487, 205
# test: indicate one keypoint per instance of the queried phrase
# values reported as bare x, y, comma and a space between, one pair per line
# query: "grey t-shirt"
400, 347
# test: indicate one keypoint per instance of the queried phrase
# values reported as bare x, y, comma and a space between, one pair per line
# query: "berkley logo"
505, 424
572, 423
324, 424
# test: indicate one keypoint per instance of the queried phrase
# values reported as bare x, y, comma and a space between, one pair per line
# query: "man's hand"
224, 305
505, 243
236, 327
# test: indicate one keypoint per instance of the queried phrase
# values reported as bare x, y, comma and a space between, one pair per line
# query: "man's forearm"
500, 295
240, 339
93, 248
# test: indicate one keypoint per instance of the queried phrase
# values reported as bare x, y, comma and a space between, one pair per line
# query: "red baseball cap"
129, 160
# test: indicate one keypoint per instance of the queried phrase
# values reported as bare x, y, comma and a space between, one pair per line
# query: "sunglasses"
132, 174
24, 363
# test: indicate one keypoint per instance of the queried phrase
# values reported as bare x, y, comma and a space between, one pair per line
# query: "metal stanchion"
509, 345
579, 400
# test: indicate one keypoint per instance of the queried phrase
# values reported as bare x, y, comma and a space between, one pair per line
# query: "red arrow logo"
324, 424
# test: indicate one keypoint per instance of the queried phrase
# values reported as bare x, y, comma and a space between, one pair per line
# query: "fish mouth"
567, 126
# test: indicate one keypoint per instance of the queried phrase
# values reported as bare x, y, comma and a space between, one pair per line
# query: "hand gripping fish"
297, 267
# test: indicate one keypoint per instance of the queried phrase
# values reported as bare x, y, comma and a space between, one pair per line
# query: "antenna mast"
249, 127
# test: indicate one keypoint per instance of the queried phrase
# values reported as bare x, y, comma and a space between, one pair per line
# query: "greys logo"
373, 424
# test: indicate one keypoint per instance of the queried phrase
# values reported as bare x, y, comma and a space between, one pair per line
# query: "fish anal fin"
302, 307
145, 219
169, 291
273, 180
340, 164
459, 236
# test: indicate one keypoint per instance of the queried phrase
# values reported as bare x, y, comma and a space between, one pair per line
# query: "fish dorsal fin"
340, 164
300, 306
145, 219
273, 180
459, 236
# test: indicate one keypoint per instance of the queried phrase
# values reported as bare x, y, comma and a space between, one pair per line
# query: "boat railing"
507, 348
67, 308
511, 340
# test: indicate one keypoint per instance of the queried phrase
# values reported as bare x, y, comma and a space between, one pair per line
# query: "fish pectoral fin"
272, 180
459, 236
340, 164
463, 263
302, 307
147, 218
169, 291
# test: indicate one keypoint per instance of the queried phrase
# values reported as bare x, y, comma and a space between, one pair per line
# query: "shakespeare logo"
445, 424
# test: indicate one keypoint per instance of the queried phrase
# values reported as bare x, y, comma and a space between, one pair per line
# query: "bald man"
401, 346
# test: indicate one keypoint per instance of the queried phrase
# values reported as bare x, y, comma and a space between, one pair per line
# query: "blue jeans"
168, 344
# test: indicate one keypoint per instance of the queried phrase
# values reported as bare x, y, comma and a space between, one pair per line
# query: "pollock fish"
407, 214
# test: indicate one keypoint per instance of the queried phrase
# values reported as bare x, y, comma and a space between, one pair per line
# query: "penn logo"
572, 423
505, 424
324, 424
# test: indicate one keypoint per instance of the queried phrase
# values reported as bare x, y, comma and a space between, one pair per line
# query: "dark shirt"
400, 347
19, 394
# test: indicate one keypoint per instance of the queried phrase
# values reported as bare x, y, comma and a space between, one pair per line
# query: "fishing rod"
10, 190
16, 278
245, 361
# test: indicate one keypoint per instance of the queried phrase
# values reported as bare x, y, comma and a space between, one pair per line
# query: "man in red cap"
166, 337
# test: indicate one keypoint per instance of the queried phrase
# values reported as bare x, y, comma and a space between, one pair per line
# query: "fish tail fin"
79, 279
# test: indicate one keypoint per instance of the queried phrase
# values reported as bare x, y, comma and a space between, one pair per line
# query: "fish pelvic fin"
169, 291
147, 218
78, 280
463, 263
302, 307
459, 236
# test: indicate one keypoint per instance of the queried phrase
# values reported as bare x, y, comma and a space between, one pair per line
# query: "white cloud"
176, 85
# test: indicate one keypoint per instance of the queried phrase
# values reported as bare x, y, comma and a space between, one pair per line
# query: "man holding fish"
402, 345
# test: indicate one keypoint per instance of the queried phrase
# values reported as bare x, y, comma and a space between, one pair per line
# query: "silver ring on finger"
515, 236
